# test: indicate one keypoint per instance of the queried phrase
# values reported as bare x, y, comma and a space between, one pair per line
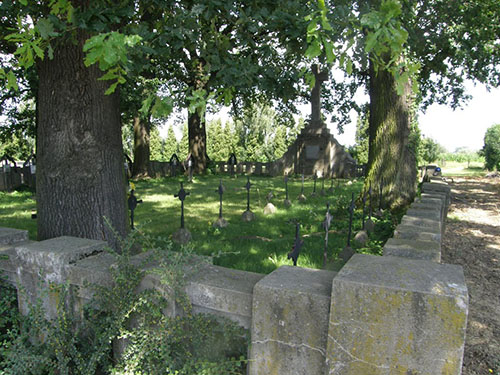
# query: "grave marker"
287, 201
190, 167
232, 161
294, 254
220, 222
302, 197
348, 252
322, 192
132, 204
182, 235
313, 194
174, 163
248, 215
326, 225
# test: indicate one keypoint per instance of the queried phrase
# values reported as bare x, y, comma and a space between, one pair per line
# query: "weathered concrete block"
414, 232
223, 291
290, 322
436, 200
421, 222
40, 264
428, 207
7, 258
432, 187
9, 236
392, 315
423, 213
400, 247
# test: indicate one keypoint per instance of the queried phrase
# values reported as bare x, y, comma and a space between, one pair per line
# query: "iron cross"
247, 186
182, 194
220, 190
286, 186
294, 254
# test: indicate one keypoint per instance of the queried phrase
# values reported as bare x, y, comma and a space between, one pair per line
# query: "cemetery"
350, 300
261, 246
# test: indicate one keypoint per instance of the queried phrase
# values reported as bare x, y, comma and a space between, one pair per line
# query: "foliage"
152, 342
430, 150
360, 150
491, 148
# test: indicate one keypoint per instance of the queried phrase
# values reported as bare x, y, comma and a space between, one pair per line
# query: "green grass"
259, 246
463, 169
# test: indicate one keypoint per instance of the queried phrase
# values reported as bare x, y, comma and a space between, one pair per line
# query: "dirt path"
472, 239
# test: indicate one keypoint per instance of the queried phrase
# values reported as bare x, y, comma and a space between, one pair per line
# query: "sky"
463, 127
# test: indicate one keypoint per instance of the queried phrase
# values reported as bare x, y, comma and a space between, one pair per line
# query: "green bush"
491, 149
151, 342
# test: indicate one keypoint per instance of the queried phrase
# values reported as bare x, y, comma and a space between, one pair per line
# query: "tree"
400, 48
430, 150
171, 146
80, 174
491, 149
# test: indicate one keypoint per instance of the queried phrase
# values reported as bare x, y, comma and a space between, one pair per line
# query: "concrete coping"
421, 222
424, 213
413, 232
405, 274
9, 235
427, 250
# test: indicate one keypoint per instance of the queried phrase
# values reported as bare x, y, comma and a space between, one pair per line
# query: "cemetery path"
472, 239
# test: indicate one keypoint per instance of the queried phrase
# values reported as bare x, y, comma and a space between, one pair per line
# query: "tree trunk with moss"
141, 147
80, 173
391, 159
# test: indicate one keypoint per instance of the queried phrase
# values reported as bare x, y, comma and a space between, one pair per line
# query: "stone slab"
223, 291
290, 322
9, 235
400, 247
424, 213
392, 315
414, 232
421, 222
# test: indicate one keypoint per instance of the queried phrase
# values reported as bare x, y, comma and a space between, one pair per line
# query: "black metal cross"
182, 194
351, 211
315, 178
247, 186
326, 225
302, 189
132, 204
220, 190
294, 254
286, 186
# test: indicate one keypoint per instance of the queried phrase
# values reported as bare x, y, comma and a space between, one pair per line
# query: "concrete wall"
402, 313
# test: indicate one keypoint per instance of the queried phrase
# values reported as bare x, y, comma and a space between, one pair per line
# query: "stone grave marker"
294, 254
315, 178
331, 189
220, 222
302, 197
348, 252
132, 204
182, 235
287, 201
270, 208
248, 215
362, 236
174, 164
232, 161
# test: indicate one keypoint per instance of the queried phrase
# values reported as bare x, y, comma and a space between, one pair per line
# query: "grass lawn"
472, 169
261, 245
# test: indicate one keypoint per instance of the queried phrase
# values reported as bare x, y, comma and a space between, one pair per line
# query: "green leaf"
348, 67
314, 50
330, 56
24, 2
45, 28
111, 88
162, 107
12, 81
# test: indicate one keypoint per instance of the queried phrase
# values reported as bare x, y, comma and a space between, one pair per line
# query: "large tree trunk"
80, 172
197, 141
141, 147
391, 160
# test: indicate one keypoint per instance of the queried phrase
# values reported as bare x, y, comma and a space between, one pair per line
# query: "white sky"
452, 129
